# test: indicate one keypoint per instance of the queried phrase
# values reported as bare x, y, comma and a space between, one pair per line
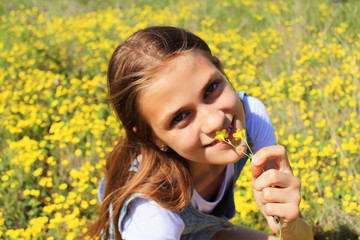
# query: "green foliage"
301, 58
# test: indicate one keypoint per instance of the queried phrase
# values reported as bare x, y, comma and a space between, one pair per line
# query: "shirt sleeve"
148, 220
258, 124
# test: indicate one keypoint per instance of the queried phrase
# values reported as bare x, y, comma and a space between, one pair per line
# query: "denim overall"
198, 225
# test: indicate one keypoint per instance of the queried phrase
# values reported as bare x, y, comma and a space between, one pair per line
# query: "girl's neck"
207, 179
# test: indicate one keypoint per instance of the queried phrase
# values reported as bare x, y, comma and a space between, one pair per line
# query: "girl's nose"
211, 119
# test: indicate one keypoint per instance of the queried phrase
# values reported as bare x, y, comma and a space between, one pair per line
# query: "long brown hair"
161, 176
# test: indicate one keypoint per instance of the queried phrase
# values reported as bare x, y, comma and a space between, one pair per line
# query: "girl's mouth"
230, 131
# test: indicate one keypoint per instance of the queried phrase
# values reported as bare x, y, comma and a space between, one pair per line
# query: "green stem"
277, 219
231, 144
252, 154
280, 238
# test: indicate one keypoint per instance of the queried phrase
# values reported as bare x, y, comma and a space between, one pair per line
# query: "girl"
168, 178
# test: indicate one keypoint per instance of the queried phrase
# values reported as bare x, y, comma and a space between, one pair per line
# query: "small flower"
221, 135
240, 134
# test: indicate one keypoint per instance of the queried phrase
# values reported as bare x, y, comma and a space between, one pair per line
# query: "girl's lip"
230, 133
213, 143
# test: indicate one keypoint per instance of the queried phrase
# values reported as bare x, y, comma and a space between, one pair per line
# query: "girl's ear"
161, 145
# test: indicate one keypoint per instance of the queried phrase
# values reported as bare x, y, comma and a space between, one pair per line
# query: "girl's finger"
277, 195
287, 212
276, 153
276, 178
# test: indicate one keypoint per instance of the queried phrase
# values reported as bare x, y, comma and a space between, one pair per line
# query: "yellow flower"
78, 152
84, 204
240, 134
221, 135
38, 172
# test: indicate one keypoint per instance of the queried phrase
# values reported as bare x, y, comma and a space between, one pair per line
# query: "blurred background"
300, 58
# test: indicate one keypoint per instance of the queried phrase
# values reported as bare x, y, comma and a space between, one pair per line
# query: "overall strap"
241, 94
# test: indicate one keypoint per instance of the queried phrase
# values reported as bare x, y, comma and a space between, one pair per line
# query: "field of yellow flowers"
301, 58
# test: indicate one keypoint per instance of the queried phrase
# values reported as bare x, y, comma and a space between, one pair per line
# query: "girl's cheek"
230, 98
189, 139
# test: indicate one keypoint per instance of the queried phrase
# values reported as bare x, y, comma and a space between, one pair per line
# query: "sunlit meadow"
301, 58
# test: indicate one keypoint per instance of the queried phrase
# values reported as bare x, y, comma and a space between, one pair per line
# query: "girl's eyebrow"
169, 116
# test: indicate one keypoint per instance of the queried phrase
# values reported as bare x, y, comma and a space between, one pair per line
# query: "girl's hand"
276, 190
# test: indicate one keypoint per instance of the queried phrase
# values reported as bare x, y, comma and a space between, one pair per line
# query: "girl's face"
187, 102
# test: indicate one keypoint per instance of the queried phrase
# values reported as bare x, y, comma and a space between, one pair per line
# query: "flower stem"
238, 148
280, 238
277, 219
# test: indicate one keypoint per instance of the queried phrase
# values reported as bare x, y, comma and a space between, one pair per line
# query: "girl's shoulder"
253, 107
146, 219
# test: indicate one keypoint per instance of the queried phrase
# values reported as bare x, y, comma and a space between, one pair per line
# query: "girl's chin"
243, 148
235, 154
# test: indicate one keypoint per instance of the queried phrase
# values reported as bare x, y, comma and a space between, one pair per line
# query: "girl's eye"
210, 88
178, 118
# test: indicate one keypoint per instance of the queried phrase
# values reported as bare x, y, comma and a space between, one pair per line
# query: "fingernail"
255, 160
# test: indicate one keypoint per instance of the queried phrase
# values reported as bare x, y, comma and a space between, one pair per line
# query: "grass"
301, 58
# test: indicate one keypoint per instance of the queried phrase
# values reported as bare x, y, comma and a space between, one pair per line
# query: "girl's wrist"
299, 229
289, 229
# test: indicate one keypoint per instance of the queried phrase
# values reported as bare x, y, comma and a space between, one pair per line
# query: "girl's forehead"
177, 86
178, 70
164, 68
180, 59
180, 64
